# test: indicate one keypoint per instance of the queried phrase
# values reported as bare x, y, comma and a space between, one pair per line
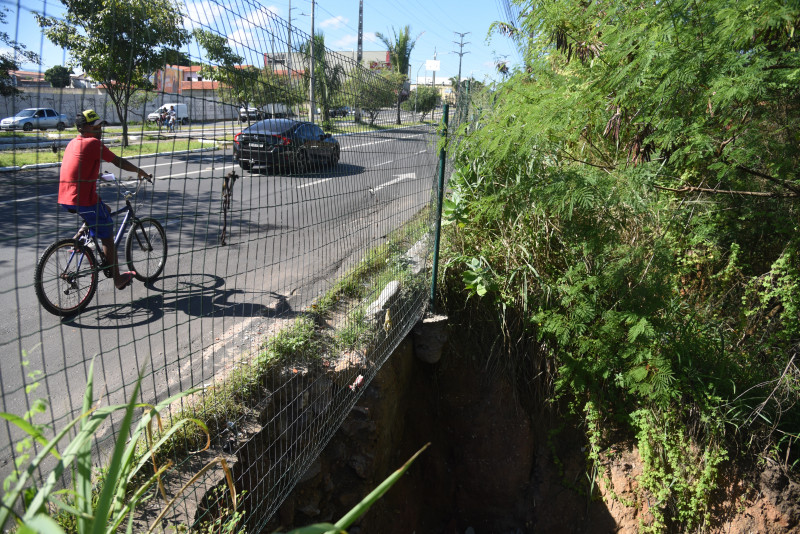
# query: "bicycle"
66, 274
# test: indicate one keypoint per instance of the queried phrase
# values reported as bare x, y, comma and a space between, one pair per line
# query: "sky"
433, 23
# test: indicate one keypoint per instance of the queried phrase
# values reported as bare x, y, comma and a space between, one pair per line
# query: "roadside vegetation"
304, 341
628, 199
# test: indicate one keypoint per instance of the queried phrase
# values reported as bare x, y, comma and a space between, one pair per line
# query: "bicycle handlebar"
127, 195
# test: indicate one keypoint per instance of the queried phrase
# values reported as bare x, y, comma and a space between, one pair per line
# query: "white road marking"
400, 178
315, 182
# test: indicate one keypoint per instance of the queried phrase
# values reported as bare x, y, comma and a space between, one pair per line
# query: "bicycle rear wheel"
65, 278
146, 249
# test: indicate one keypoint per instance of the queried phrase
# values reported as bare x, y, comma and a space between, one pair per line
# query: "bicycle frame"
66, 275
84, 235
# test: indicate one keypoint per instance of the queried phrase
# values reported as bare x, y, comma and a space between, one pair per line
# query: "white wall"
203, 105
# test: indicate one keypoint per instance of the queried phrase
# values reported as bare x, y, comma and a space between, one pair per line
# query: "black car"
285, 144
339, 112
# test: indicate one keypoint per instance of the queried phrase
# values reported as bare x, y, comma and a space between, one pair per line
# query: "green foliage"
243, 85
294, 344
96, 510
329, 76
400, 46
423, 100
58, 76
119, 43
11, 57
632, 193
372, 92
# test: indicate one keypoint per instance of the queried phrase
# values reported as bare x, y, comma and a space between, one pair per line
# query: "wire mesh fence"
296, 203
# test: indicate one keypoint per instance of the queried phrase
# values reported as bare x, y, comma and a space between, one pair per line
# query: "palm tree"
400, 54
328, 78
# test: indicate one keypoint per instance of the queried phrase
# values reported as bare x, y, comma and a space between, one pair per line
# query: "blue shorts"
98, 217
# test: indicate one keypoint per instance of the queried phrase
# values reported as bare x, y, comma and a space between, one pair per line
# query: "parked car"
340, 111
250, 114
277, 111
181, 112
39, 118
285, 145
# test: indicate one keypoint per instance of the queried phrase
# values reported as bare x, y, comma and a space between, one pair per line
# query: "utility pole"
289, 46
360, 30
360, 47
460, 55
433, 84
311, 83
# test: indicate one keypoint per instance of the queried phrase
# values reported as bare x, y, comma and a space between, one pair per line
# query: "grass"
303, 342
37, 156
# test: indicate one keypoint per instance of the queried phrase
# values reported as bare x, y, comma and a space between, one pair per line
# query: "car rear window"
270, 127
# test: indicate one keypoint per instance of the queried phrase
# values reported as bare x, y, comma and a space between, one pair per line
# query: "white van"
181, 111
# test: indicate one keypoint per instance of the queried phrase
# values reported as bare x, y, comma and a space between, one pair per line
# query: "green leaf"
362, 507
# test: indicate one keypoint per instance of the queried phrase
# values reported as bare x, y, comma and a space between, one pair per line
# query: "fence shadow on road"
191, 295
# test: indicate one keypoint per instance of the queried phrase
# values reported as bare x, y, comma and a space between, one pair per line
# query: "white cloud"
334, 23
259, 18
201, 14
348, 42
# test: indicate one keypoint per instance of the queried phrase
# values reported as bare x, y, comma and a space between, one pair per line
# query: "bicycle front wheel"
65, 278
146, 249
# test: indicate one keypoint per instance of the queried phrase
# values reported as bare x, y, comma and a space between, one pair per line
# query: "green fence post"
442, 161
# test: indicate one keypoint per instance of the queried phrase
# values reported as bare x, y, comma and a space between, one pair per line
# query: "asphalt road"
289, 238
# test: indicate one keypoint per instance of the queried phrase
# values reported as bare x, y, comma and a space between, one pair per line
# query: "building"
27, 78
375, 60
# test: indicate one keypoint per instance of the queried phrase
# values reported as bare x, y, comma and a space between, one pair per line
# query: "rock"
310, 510
430, 337
376, 311
417, 255
312, 471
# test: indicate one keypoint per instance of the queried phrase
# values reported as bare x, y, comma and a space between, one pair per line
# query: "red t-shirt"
80, 169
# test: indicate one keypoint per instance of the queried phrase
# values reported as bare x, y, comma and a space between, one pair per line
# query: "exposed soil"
492, 468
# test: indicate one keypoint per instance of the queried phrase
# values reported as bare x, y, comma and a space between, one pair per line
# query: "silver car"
35, 118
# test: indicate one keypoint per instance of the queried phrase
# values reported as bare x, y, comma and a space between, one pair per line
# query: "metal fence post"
440, 200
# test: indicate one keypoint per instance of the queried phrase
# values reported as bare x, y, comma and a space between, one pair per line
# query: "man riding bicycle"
77, 189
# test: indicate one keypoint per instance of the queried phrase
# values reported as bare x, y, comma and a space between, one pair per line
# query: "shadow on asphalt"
190, 295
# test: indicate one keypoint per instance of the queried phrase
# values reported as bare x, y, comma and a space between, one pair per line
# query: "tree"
236, 80
329, 76
118, 42
642, 163
400, 47
9, 59
243, 84
58, 76
423, 99
372, 92
397, 82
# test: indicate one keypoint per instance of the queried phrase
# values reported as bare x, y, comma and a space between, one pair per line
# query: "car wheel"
28, 127
245, 165
60, 126
185, 121
334, 157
